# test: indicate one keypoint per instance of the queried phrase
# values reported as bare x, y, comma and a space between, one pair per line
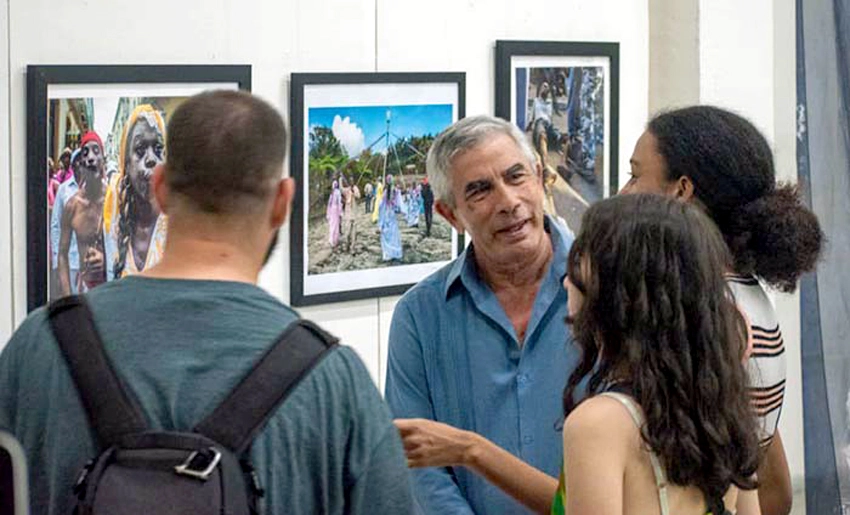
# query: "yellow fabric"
110, 206
155, 250
379, 195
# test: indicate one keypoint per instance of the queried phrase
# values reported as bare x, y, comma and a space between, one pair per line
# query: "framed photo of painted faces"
94, 136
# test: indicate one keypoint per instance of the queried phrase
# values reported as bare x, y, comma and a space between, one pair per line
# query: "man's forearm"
523, 482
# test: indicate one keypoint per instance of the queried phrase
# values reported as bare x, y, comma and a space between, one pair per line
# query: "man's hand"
433, 444
93, 265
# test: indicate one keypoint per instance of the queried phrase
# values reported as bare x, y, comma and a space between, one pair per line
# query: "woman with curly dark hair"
665, 425
719, 161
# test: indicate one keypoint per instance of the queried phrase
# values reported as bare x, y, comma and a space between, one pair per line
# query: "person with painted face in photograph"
131, 215
82, 216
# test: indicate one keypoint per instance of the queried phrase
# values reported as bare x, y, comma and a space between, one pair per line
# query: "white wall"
788, 306
674, 52
747, 63
278, 38
6, 275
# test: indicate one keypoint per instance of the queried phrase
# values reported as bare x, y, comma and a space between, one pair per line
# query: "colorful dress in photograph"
413, 201
334, 214
390, 234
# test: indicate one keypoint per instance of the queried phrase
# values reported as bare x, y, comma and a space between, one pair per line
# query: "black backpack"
203, 471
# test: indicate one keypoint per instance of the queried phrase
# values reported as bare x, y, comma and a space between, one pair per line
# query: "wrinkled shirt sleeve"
406, 392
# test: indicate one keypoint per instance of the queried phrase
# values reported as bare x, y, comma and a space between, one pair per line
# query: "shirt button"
527, 439
522, 379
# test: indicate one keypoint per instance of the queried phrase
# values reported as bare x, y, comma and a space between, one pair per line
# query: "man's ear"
282, 202
448, 213
683, 188
160, 187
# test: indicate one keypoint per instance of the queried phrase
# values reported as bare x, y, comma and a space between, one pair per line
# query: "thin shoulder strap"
244, 412
660, 477
111, 408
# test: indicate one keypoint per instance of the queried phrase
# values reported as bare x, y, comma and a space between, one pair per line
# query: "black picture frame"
554, 61
38, 80
353, 92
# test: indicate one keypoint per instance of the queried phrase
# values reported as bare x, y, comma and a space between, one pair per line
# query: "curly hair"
658, 317
770, 233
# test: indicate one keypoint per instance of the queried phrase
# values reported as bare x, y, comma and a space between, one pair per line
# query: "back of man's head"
225, 152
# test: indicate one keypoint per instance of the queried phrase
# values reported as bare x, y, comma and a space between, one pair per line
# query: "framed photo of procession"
363, 221
94, 136
565, 97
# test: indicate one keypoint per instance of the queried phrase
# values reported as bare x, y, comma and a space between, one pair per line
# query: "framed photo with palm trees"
363, 223
565, 97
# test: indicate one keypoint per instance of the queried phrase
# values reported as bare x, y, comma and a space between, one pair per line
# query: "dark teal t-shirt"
181, 346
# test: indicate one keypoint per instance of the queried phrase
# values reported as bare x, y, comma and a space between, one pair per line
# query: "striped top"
765, 351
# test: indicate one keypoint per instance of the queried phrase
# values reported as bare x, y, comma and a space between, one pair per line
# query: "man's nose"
507, 197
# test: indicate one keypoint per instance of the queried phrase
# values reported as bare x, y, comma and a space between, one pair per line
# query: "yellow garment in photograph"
155, 249
379, 194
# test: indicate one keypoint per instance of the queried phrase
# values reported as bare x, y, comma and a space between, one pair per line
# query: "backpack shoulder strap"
111, 408
244, 412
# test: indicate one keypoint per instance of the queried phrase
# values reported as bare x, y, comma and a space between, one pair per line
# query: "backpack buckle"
200, 464
80, 483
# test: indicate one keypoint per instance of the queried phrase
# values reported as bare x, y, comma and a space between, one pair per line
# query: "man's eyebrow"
475, 186
515, 168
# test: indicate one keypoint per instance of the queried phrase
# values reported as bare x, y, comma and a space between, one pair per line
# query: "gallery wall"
6, 276
745, 56
278, 38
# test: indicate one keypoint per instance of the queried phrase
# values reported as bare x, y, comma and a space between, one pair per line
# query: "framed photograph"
94, 135
565, 97
363, 221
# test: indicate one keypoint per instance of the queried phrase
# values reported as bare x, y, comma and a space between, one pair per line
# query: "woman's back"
601, 434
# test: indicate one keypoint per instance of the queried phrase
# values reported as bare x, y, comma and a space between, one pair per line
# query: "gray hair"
462, 136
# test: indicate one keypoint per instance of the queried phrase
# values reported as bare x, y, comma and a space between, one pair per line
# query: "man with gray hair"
478, 351
183, 333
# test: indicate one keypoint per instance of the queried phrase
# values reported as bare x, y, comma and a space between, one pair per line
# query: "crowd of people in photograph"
104, 223
385, 203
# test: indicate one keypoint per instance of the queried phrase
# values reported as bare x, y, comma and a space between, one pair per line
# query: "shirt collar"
465, 272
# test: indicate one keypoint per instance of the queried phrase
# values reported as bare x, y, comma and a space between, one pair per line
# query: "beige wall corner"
674, 58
